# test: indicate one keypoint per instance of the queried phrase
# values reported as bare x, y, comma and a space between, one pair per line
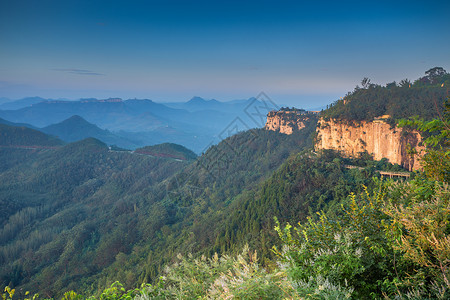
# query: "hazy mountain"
17, 104
81, 216
4, 100
235, 107
6, 122
194, 124
76, 128
22, 136
168, 150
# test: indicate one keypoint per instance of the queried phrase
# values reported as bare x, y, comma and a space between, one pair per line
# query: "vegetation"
169, 150
424, 98
23, 136
80, 218
76, 128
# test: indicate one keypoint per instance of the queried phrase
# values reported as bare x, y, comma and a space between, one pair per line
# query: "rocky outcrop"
287, 121
376, 137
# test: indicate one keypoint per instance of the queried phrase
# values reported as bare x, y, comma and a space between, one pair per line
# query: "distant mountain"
115, 205
76, 128
6, 122
200, 104
4, 100
23, 136
168, 150
17, 104
110, 114
195, 124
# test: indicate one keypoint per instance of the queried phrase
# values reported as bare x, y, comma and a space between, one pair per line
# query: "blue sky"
303, 54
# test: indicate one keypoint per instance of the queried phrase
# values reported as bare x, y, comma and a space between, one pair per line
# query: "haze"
302, 54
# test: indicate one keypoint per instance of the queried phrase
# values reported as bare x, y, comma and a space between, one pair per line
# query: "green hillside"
76, 128
23, 136
424, 97
90, 216
74, 207
82, 216
168, 150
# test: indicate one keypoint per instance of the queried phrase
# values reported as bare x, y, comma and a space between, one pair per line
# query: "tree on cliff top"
424, 97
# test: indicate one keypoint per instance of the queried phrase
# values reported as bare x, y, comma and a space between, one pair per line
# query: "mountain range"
195, 124
81, 215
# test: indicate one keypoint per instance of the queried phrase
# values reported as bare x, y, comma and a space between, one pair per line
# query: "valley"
308, 192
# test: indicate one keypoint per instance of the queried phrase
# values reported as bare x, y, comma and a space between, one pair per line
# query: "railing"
383, 173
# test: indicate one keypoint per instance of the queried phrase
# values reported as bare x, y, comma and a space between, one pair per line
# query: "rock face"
376, 137
286, 121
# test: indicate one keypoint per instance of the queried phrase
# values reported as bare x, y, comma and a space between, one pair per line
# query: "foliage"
424, 236
168, 150
69, 212
304, 184
82, 217
423, 98
226, 277
436, 160
23, 136
348, 249
393, 241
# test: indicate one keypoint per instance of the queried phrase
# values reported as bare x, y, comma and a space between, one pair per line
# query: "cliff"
376, 137
287, 121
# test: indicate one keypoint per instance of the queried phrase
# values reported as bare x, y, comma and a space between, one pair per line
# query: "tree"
436, 161
391, 85
435, 72
405, 82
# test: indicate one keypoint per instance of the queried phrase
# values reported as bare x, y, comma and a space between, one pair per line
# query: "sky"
300, 53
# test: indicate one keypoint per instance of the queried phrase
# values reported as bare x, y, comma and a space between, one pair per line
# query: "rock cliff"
376, 137
287, 121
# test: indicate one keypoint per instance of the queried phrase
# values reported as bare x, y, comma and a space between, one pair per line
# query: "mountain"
6, 122
97, 216
235, 107
76, 128
4, 100
21, 144
168, 150
99, 211
82, 216
69, 193
12, 136
17, 104
198, 103
196, 124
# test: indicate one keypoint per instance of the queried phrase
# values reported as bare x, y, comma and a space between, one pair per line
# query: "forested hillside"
424, 97
23, 136
67, 212
168, 150
371, 238
82, 216
76, 128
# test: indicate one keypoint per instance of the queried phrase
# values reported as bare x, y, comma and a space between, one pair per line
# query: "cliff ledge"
376, 137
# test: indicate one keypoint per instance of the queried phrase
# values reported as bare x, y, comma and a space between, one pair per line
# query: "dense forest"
424, 97
258, 216
83, 216
23, 136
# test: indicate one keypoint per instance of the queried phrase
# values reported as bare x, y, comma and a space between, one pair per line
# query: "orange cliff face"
375, 137
286, 121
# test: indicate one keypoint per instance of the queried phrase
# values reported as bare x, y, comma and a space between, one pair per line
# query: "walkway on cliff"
384, 173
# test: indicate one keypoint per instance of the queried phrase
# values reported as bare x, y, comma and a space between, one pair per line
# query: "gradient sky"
303, 54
